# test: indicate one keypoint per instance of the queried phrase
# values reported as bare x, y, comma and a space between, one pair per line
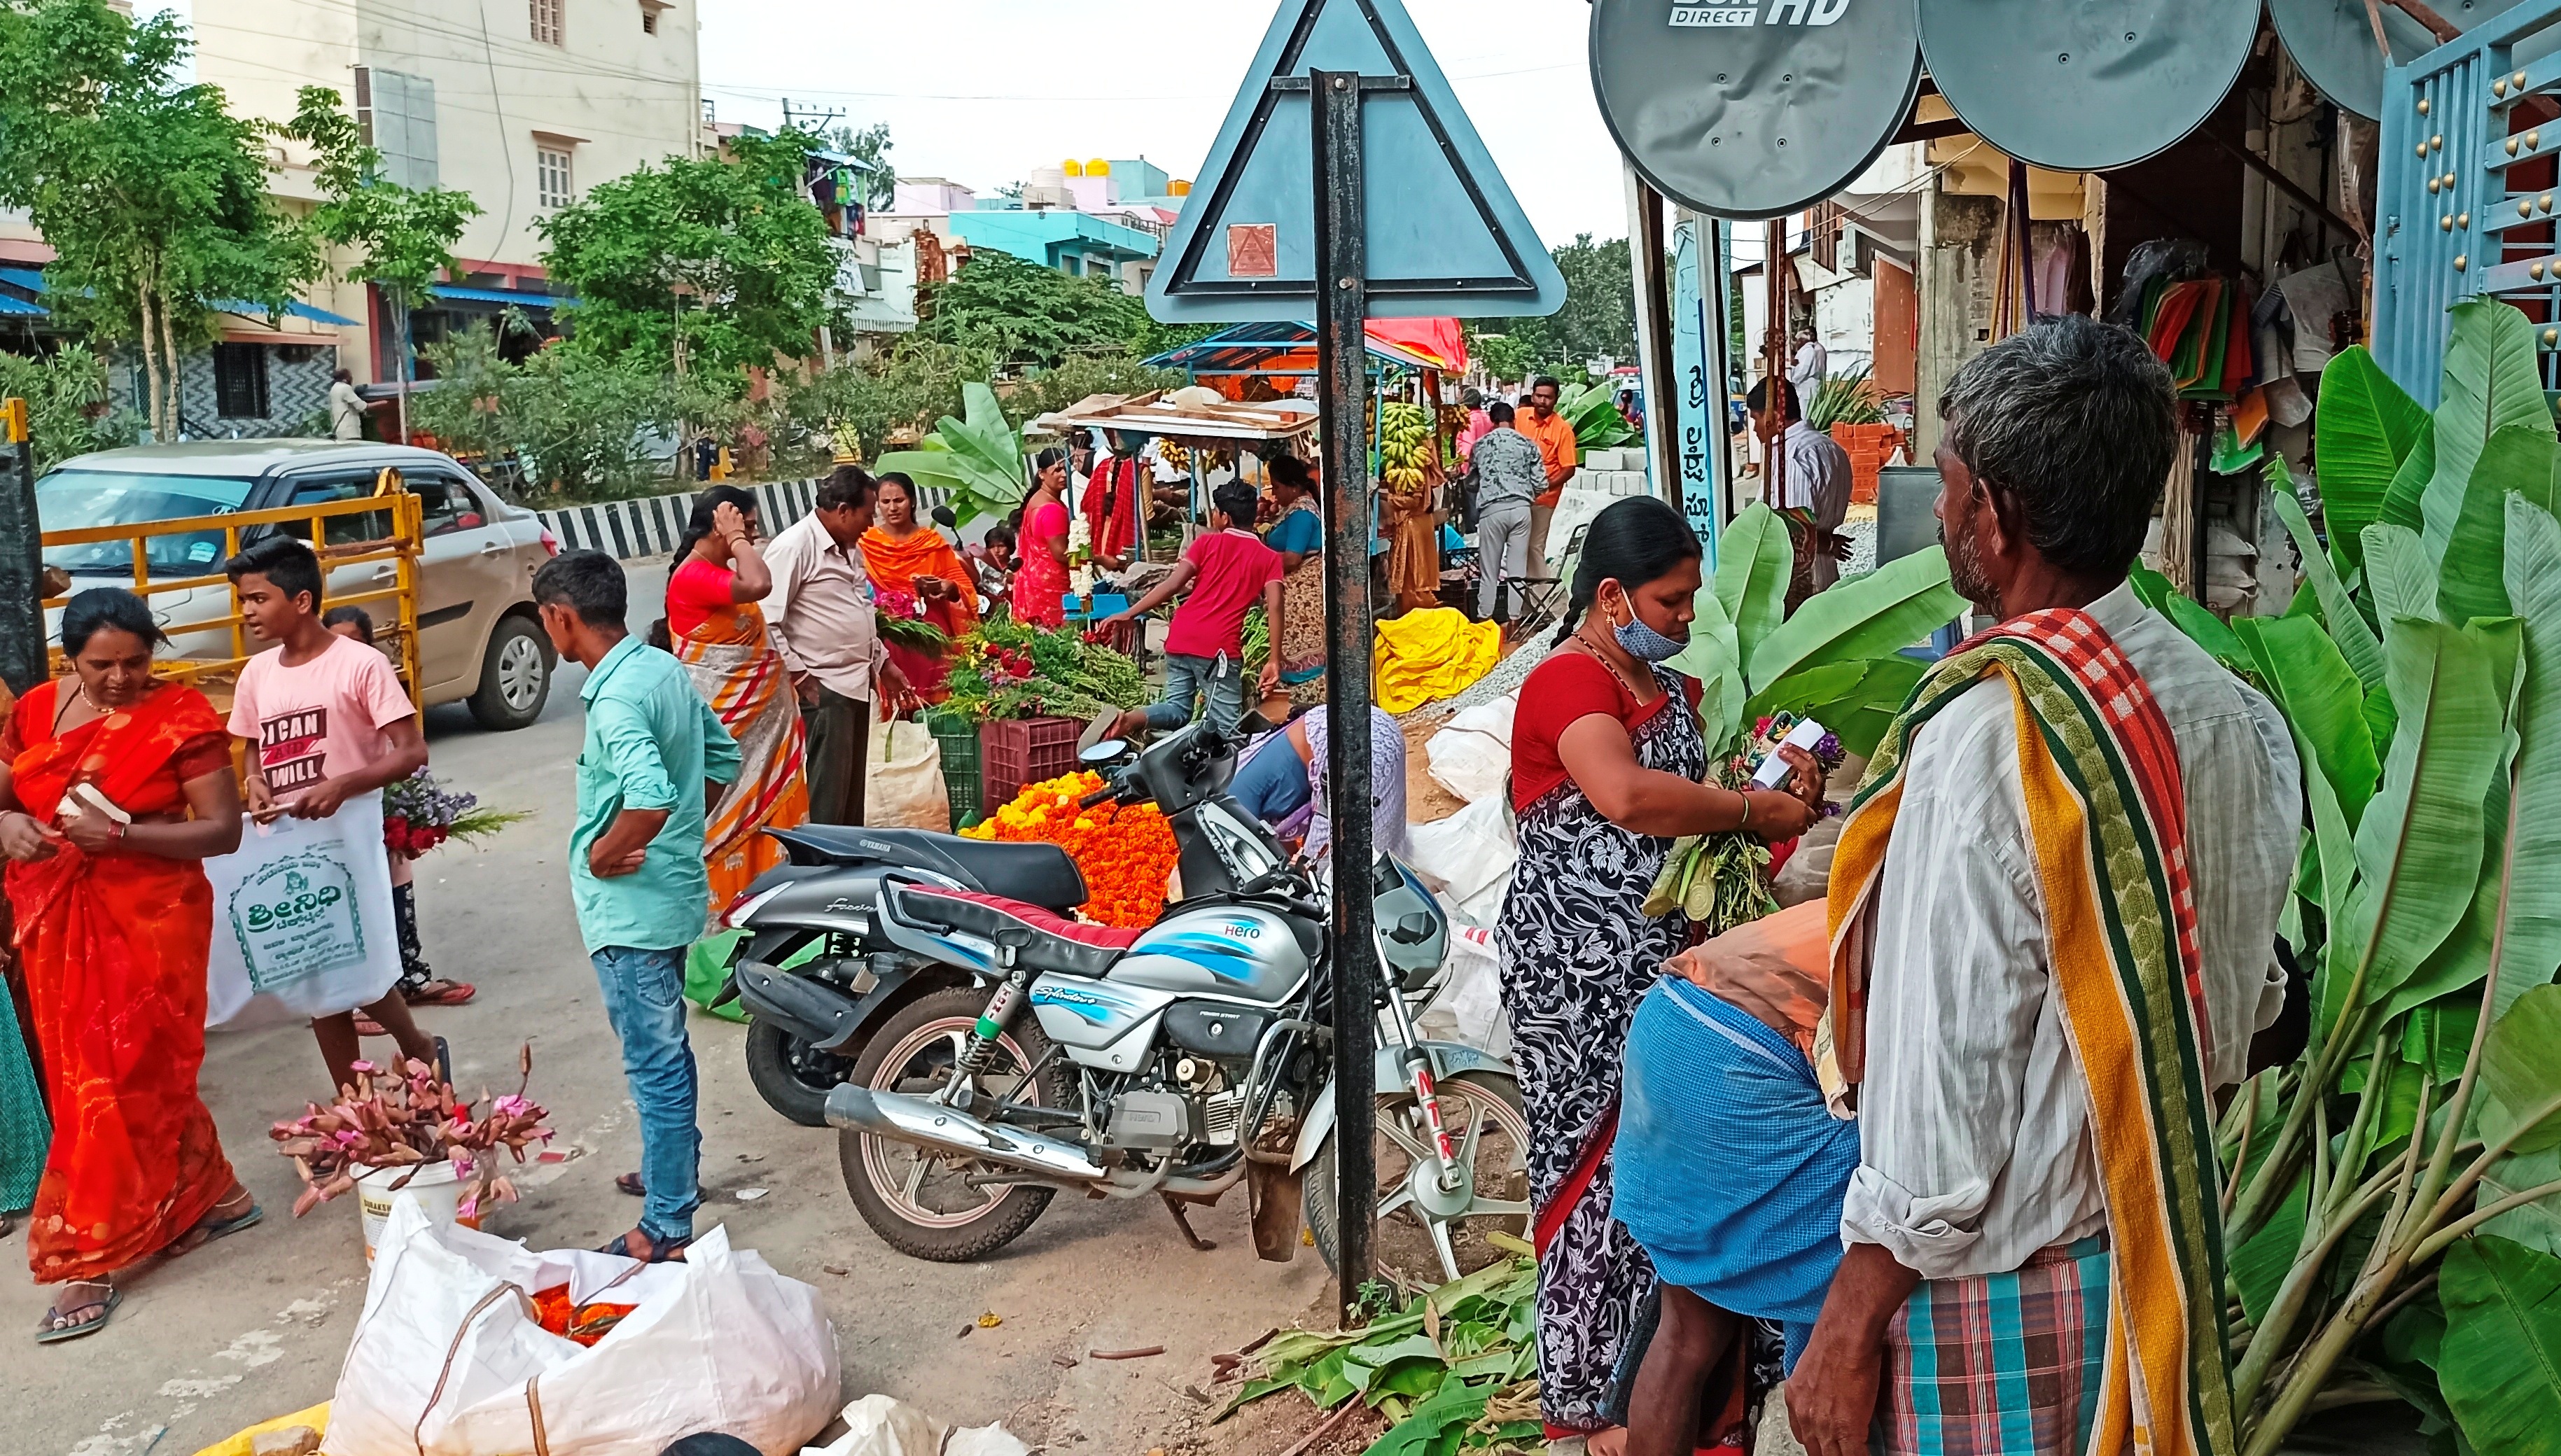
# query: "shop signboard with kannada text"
1285, 224
1752, 109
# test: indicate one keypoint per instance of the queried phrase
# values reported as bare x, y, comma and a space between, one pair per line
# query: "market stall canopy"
2333, 43
1287, 349
1186, 414
1757, 108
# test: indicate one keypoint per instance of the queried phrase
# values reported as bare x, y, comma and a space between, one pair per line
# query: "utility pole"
22, 556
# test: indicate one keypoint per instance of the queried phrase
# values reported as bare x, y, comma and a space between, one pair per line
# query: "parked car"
480, 640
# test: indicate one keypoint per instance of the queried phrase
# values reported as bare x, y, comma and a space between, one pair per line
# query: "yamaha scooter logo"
1734, 14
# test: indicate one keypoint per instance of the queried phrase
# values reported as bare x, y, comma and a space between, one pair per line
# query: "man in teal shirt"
654, 760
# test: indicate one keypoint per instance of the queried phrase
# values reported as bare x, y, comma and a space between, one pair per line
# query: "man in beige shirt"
820, 615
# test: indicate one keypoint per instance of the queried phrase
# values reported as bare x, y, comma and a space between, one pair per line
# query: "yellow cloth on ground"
236, 1444
1431, 654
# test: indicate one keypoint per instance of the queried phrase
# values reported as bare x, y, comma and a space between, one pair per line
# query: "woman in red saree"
113, 920
1039, 582
905, 555
717, 632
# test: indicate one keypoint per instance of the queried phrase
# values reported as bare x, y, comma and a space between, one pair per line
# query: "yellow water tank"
1182, 187
1072, 167
1097, 168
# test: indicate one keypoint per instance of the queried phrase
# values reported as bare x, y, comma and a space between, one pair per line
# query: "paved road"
258, 1325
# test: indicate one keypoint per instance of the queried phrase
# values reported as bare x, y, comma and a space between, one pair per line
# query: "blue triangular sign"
1444, 236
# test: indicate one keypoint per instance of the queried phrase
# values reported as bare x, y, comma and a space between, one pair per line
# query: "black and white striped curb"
651, 525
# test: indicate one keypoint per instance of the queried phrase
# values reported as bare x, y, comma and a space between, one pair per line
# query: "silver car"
479, 638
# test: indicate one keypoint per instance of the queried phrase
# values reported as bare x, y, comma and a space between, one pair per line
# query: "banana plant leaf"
2467, 530
977, 459
1713, 657
2356, 641
1754, 558
2260, 1262
2530, 949
2499, 1363
2400, 578
2409, 484
1856, 699
2537, 1224
1593, 410
2322, 699
2490, 383
2419, 847
2363, 427
2202, 627
2522, 1066
2465, 957
1876, 616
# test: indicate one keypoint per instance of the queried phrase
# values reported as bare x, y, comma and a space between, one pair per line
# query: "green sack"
707, 970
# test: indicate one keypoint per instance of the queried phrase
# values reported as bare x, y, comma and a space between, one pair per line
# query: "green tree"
66, 407
703, 264
1599, 319
1029, 315
1082, 375
402, 236
870, 145
578, 423
153, 196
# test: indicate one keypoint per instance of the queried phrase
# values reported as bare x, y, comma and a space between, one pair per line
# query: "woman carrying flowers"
914, 570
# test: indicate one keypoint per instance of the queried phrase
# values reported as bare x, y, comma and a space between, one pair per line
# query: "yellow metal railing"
400, 547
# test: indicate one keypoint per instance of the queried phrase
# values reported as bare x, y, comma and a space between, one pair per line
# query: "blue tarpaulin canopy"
457, 293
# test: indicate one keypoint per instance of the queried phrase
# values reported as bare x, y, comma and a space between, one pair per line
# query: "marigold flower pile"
1126, 853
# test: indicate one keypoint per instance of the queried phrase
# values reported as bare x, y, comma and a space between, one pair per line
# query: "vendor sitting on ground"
1283, 783
1227, 571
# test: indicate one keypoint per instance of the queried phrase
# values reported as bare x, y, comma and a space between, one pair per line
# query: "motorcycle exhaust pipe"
923, 1122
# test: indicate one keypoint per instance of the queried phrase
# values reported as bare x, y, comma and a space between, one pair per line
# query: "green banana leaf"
2400, 578
2438, 1036
2537, 1224
1754, 558
2464, 958
977, 459
2418, 846
2490, 383
1856, 700
2521, 1064
1878, 614
2409, 485
2467, 530
1593, 410
2261, 1261
2363, 427
2202, 627
1713, 657
2500, 1363
2530, 951
2356, 641
2323, 701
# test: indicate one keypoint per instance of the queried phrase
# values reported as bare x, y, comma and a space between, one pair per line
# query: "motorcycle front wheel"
1426, 1237
791, 1075
921, 1202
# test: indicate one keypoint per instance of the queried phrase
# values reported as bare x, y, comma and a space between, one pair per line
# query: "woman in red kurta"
113, 922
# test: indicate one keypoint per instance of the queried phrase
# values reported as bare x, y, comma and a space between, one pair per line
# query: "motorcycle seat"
1040, 873
1042, 938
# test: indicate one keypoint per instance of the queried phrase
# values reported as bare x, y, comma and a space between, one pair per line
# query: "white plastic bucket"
436, 1186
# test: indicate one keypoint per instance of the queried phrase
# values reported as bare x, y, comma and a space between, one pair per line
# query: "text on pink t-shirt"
322, 718
1234, 567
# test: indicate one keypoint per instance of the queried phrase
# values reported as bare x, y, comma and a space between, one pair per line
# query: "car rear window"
70, 500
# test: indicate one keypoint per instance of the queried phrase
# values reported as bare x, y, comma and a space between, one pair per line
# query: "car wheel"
515, 677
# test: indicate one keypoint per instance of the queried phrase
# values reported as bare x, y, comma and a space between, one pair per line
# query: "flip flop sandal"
368, 1027
659, 1253
631, 1183
213, 1228
46, 1334
442, 992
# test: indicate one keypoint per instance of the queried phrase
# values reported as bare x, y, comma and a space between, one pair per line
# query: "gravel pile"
1506, 677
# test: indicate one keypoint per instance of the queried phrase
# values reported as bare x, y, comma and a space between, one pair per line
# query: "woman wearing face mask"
1607, 758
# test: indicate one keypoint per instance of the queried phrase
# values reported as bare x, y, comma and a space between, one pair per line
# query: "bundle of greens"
1008, 670
1455, 1369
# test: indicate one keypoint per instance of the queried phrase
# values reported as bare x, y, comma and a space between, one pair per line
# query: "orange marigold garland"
1126, 853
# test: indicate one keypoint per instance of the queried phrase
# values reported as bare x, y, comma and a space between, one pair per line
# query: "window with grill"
551, 177
547, 21
239, 381
648, 20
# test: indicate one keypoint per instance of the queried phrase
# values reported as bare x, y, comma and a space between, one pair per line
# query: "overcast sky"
982, 92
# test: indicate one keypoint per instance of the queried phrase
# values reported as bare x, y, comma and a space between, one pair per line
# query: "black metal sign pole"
22, 565
1342, 391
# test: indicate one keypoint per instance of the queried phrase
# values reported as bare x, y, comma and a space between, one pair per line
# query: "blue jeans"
1218, 681
645, 999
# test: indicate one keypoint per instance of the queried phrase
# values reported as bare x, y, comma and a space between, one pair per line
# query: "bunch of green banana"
1405, 446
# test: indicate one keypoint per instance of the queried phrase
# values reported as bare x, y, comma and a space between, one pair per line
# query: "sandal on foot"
670, 1252
631, 1183
366, 1026
50, 1332
212, 1227
442, 992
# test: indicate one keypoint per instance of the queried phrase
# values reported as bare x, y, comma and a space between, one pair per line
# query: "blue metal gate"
2467, 190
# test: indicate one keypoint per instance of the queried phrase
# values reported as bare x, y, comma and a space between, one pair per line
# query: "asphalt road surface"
257, 1325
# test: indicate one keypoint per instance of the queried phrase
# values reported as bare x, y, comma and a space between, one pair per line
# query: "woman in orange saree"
112, 923
907, 557
717, 632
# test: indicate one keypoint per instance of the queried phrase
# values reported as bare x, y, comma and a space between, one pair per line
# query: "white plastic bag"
877, 1425
303, 918
1468, 1006
1472, 755
448, 1358
903, 787
1468, 858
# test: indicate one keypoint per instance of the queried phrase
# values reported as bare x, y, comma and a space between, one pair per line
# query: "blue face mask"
1644, 644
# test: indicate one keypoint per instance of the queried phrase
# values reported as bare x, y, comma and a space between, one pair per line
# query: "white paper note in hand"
1773, 770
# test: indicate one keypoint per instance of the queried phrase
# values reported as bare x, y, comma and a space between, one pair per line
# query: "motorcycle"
1173, 1061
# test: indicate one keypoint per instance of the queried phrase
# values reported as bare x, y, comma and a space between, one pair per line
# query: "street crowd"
1922, 1161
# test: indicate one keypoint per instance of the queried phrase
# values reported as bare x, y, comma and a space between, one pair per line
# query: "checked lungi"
1999, 1365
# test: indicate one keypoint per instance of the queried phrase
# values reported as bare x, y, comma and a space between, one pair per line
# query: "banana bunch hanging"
1405, 448
1173, 454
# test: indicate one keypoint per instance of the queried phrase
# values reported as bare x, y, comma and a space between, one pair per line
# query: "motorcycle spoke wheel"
1491, 1138
929, 1189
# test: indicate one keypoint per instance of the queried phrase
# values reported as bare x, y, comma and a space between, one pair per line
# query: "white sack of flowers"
450, 1360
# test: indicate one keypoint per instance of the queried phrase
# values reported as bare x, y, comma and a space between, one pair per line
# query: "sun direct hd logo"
1738, 13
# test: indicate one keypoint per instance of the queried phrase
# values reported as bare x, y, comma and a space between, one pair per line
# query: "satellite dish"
1744, 115
2082, 88
2332, 43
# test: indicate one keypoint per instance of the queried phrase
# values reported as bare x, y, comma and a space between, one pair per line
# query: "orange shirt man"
1555, 437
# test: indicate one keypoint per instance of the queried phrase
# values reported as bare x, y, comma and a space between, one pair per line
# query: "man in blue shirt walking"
654, 760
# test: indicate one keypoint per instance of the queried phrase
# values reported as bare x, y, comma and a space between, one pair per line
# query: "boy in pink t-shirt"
325, 719
1228, 571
